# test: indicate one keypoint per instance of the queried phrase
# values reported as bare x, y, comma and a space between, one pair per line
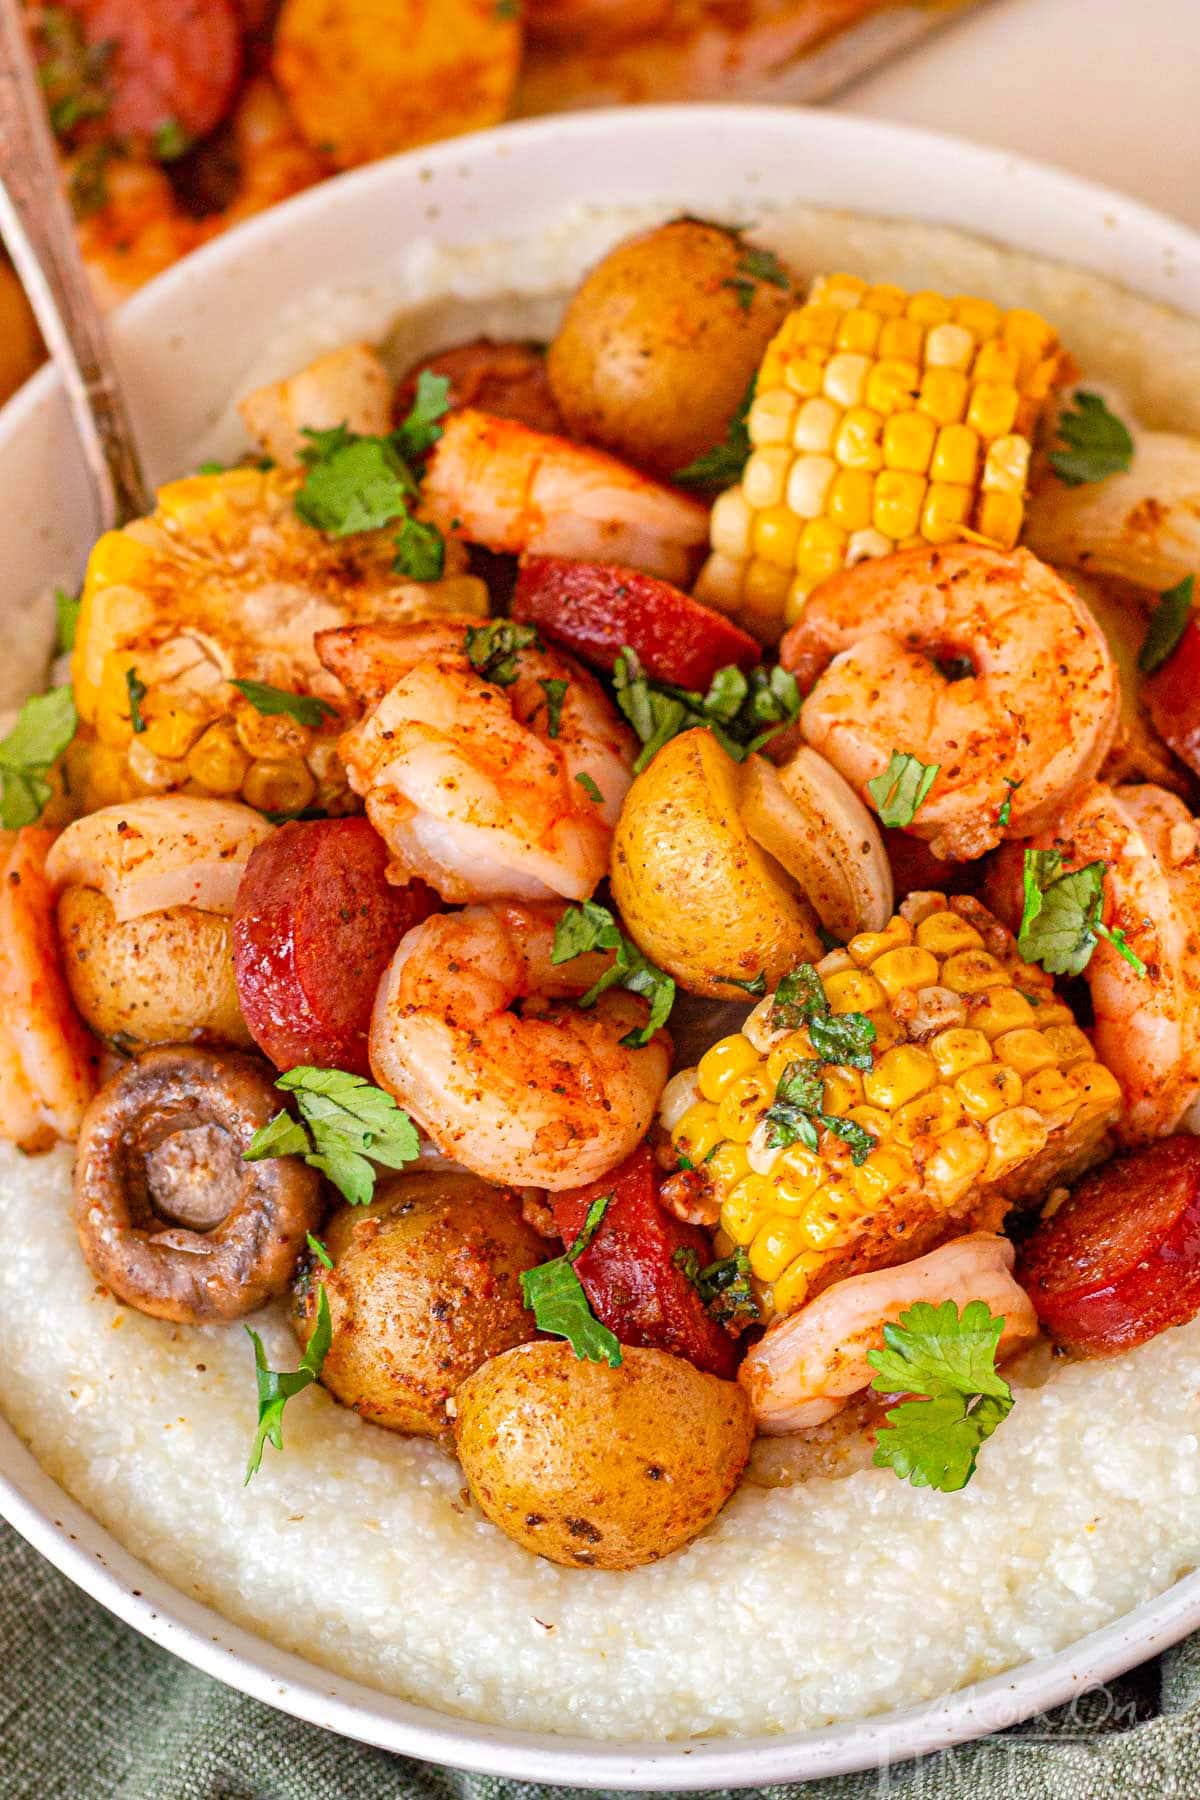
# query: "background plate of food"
919, 315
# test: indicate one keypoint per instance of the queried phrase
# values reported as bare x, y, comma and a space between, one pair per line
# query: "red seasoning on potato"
314, 927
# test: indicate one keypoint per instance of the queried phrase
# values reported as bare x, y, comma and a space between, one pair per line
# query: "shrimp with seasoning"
495, 482
487, 789
548, 1096
808, 1365
1039, 707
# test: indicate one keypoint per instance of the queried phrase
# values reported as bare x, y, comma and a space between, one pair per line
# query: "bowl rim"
83, 1550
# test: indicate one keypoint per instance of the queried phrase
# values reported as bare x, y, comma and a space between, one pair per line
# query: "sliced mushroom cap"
170, 1218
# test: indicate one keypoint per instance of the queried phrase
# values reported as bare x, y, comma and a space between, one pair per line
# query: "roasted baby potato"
20, 345
425, 1286
696, 892
600, 1467
163, 978
660, 341
364, 78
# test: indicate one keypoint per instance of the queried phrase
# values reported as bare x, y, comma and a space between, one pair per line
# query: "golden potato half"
700, 897
598, 1467
163, 978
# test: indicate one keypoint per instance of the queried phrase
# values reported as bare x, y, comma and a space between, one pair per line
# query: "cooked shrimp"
1040, 709
161, 851
545, 1097
478, 788
49, 1062
1147, 1028
808, 1365
495, 482
348, 387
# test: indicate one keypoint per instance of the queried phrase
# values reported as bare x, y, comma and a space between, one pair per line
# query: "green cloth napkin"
91, 1711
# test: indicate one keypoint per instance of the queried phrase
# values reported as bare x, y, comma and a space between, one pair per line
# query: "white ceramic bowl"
182, 345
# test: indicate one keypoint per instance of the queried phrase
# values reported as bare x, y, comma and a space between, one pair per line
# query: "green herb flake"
421, 430
722, 466
420, 551
137, 691
755, 266
306, 709
1004, 812
345, 1126
41, 732
798, 1109
589, 927
724, 1287
555, 1296
66, 619
170, 141
319, 1251
1167, 626
843, 1038
950, 1359
1097, 443
87, 184
743, 710
555, 691
353, 483
73, 73
902, 788
276, 1389
1060, 916
756, 987
494, 650
590, 789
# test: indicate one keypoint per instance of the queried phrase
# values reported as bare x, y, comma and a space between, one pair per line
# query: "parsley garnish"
756, 987
421, 430
343, 1122
951, 1359
754, 266
798, 1109
721, 466
170, 141
902, 788
87, 187
43, 728
66, 619
555, 692
1167, 626
743, 711
494, 650
74, 74
318, 1249
1004, 812
420, 551
590, 789
137, 693
1097, 443
592, 927
276, 1389
306, 709
723, 1286
843, 1038
554, 1294
1060, 919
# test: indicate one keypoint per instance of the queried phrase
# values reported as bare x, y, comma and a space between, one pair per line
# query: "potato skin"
697, 894
656, 350
596, 1467
164, 978
425, 1287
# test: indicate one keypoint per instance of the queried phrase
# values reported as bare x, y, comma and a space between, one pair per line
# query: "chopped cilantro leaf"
306, 709
798, 1096
844, 1038
318, 1249
353, 484
345, 1126
754, 266
589, 927
1004, 813
1060, 917
137, 693
555, 1296
420, 551
950, 1359
43, 728
87, 185
494, 650
66, 619
742, 710
756, 987
421, 430
1167, 626
170, 141
723, 1286
275, 1389
901, 789
555, 691
1097, 443
590, 789
721, 466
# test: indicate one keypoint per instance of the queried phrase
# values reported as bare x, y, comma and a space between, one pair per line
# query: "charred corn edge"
960, 1112
881, 419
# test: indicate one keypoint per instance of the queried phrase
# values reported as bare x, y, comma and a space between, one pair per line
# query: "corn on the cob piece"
224, 582
982, 1091
881, 419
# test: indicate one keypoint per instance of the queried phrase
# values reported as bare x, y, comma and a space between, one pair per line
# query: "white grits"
799, 1606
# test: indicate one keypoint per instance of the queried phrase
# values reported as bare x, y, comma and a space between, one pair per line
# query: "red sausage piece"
314, 927
628, 1272
595, 609
1120, 1260
175, 62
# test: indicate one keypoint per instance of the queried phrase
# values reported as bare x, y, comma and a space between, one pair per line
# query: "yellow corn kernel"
1000, 1010
742, 1103
885, 298
931, 1115
892, 386
993, 409
818, 325
816, 426
808, 485
171, 729
1051, 1094
1025, 1051
979, 316
997, 364
1013, 1137
868, 543
852, 990
865, 946
99, 773
959, 1049
899, 497
1069, 1044
217, 762
776, 1244
956, 1164
698, 1132
850, 499
885, 1170
908, 440
858, 443
153, 774
764, 589
790, 1290
899, 1075
821, 551
845, 378
949, 346
721, 578
803, 374
730, 524
843, 1089
999, 518
765, 476
273, 735
1097, 1089
793, 1048
971, 971
942, 397
775, 536
987, 1091
744, 1210
829, 1220
772, 417
946, 934
955, 456
727, 1165
908, 966
285, 785
114, 725
797, 1176
1006, 465
859, 331
723, 1062
945, 512
930, 308
1028, 333
903, 338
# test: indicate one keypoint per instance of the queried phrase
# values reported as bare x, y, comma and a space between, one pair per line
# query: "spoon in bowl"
36, 225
